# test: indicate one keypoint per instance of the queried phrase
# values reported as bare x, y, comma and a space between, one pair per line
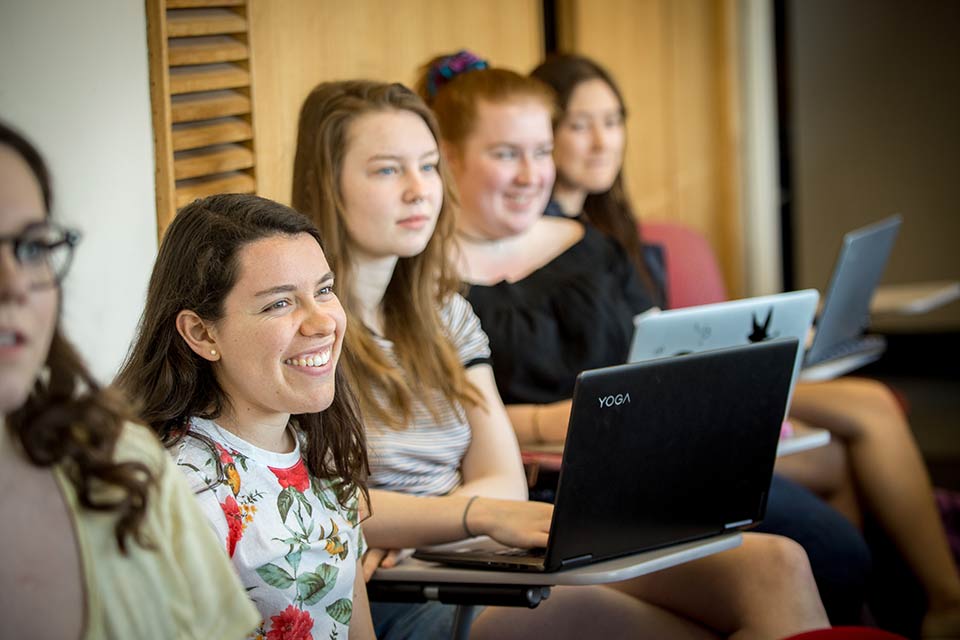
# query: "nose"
319, 320
524, 170
599, 137
415, 188
13, 282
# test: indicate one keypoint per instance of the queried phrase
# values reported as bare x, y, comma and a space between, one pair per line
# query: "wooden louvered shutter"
201, 95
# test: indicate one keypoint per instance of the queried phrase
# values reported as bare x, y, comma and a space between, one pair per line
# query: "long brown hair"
609, 211
420, 284
69, 420
197, 267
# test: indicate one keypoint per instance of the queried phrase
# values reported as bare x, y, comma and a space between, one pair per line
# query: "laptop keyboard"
512, 552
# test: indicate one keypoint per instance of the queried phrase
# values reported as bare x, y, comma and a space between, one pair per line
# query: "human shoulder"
137, 443
560, 232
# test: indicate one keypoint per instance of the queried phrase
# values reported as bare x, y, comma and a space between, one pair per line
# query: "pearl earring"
213, 352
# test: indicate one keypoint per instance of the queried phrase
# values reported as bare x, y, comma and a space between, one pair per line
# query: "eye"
279, 304
577, 125
544, 152
505, 154
430, 167
32, 251
614, 122
325, 290
386, 171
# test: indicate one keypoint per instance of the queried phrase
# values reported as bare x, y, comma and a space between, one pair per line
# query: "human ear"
197, 335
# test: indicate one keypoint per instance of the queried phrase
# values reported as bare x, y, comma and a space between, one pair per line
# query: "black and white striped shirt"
425, 457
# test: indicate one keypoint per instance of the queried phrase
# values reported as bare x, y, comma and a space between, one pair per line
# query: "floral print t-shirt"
294, 547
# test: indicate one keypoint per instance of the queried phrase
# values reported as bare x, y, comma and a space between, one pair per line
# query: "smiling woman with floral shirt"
235, 366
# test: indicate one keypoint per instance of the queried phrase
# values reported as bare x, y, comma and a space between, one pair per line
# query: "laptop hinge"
738, 524
569, 562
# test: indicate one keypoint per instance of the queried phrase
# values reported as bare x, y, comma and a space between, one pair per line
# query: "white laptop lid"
726, 324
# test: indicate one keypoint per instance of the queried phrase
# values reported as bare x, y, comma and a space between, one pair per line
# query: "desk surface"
802, 439
914, 298
412, 570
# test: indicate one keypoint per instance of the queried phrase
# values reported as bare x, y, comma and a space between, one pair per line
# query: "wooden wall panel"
300, 43
675, 61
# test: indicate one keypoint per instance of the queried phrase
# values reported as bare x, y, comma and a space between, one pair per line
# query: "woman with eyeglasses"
101, 536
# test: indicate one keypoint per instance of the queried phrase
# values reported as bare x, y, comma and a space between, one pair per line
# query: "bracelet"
466, 509
535, 424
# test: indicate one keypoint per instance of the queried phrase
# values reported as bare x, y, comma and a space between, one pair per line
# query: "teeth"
316, 360
7, 338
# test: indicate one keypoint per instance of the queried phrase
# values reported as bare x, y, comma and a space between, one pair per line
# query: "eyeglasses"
43, 252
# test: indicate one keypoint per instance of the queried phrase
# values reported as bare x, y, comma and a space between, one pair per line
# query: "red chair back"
693, 273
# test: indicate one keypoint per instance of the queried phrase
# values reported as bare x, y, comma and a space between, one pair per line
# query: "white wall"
74, 79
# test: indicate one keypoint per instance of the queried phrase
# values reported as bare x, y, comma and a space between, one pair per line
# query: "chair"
693, 273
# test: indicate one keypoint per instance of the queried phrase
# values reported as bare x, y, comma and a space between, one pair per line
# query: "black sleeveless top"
574, 313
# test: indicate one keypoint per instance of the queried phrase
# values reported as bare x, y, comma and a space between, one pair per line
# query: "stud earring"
213, 352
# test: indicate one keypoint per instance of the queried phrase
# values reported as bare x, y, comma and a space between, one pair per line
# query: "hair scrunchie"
448, 68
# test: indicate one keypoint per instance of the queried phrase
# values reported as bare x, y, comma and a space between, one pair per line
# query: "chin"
12, 396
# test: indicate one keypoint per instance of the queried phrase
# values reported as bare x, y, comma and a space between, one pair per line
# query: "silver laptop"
839, 345
726, 324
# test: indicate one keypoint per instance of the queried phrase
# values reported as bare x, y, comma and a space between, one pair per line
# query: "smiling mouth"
10, 339
312, 360
521, 198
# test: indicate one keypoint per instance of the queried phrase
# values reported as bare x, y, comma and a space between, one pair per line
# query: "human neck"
570, 199
265, 432
369, 281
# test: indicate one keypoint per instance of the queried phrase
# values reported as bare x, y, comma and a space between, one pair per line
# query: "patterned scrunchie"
448, 68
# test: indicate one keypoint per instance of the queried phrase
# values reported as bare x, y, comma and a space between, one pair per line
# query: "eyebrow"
389, 156
286, 288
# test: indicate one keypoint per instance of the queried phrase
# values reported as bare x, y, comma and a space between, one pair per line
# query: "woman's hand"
374, 559
515, 523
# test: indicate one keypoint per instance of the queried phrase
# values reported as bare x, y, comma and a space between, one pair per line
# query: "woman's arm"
540, 423
400, 520
361, 624
492, 465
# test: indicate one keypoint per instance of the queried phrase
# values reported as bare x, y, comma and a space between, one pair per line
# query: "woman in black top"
872, 466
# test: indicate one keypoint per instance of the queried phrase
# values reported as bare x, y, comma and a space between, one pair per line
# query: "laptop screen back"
726, 324
669, 450
846, 307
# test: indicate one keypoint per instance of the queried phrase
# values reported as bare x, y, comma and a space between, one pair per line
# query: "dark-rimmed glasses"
43, 251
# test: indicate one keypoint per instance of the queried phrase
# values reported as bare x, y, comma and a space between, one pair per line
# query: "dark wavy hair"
609, 211
197, 267
70, 421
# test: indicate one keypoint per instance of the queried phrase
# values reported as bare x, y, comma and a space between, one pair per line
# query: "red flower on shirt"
291, 624
296, 476
234, 523
225, 456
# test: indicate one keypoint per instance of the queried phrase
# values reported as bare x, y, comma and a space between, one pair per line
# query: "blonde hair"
420, 284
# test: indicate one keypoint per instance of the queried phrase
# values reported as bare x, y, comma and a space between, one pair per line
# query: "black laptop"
658, 453
846, 307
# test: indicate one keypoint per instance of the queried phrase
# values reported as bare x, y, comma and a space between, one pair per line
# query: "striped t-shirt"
424, 458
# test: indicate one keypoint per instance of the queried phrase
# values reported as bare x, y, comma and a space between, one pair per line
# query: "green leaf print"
341, 610
284, 502
275, 576
321, 496
313, 586
294, 559
302, 499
